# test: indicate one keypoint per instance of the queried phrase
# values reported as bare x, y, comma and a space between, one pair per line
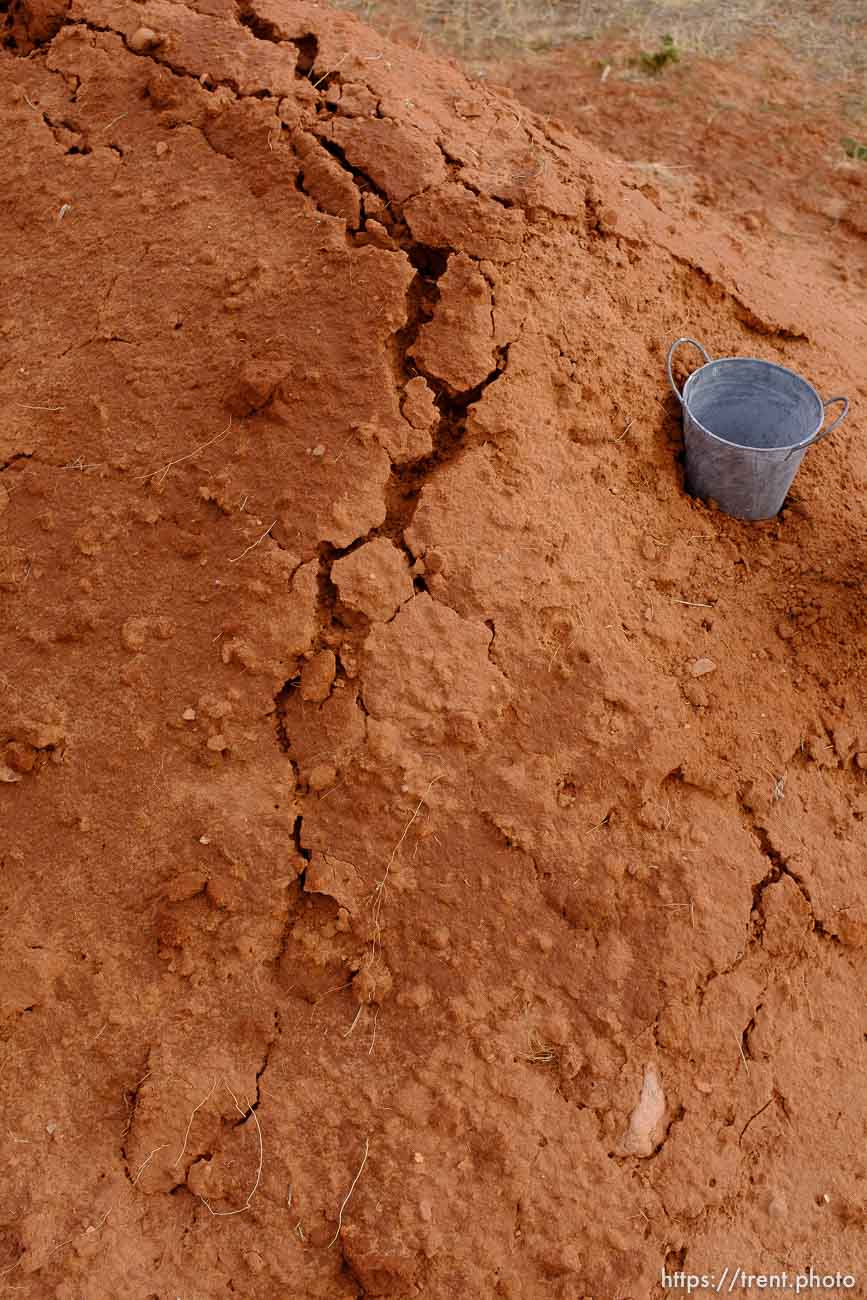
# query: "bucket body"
747, 425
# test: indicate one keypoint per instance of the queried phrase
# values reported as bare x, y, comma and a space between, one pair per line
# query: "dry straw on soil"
827, 36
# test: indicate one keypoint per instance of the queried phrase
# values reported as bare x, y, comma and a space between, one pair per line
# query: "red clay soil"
758, 136
392, 905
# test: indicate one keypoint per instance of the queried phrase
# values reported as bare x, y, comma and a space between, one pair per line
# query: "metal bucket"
746, 426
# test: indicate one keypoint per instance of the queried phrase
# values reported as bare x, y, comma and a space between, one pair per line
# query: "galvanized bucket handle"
823, 433
671, 351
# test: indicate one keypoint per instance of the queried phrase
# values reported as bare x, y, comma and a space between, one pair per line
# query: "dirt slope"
365, 827
758, 135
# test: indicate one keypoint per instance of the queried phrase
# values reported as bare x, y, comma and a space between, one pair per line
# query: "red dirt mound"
393, 904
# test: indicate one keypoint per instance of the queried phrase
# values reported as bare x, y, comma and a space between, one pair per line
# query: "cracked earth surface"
365, 826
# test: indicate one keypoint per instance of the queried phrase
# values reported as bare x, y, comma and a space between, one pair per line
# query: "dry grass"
539, 1052
195, 1111
378, 897
245, 1115
163, 470
349, 1194
475, 29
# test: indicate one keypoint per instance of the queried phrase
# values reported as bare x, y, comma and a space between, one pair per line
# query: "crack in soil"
747, 1031
405, 484
264, 30
676, 1118
406, 480
778, 868
280, 719
741, 310
454, 168
130, 1098
492, 628
154, 56
306, 854
755, 1115
17, 455
12, 10
364, 182
350, 1273
254, 1105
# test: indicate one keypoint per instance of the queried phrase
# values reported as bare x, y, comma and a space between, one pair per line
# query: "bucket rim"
739, 446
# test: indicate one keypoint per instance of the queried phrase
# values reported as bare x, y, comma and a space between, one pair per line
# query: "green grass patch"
854, 150
654, 61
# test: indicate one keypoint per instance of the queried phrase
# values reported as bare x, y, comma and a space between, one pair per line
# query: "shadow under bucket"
746, 426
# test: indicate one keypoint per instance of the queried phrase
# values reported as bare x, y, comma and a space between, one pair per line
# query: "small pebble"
696, 694
318, 450
702, 666
143, 38
189, 715
317, 677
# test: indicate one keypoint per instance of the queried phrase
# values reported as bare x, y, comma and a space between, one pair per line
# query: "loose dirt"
395, 903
